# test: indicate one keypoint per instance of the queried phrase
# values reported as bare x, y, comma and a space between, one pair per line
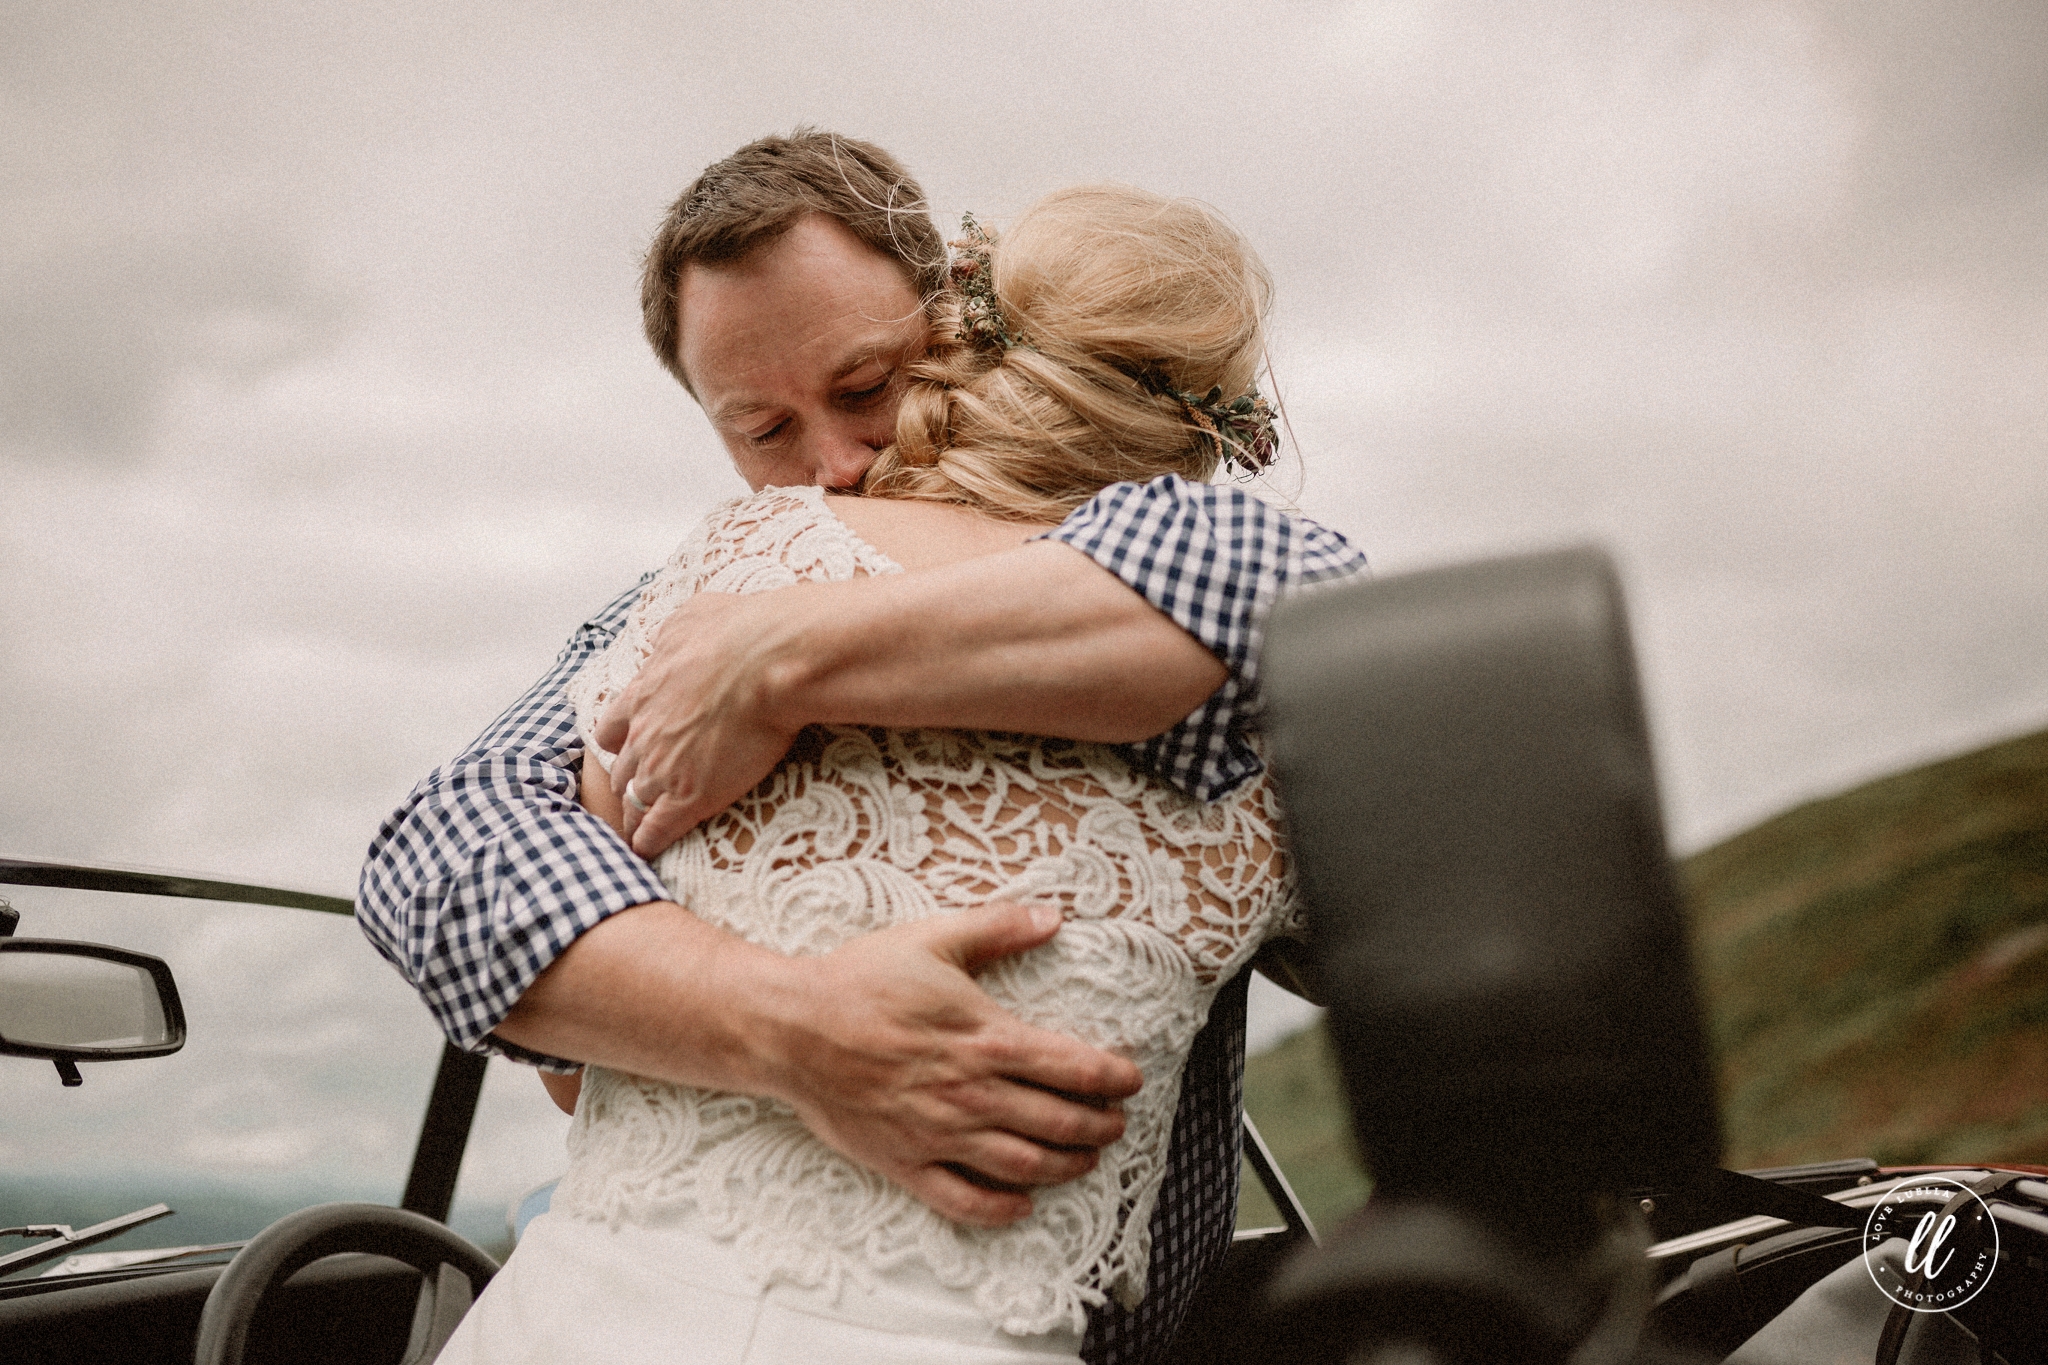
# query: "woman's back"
1115, 337
861, 828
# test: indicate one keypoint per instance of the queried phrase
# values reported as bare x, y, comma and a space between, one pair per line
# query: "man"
786, 292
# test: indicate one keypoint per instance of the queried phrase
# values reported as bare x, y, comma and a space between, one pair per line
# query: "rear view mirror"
85, 1002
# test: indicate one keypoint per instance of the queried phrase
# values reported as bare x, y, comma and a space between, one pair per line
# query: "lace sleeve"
771, 539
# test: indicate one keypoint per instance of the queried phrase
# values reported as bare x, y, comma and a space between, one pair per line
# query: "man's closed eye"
862, 397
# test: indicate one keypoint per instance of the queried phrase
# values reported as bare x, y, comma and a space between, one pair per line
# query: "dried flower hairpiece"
1242, 428
981, 317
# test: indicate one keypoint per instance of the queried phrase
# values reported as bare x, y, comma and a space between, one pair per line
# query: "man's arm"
1156, 620
1037, 640
492, 867
885, 1048
477, 888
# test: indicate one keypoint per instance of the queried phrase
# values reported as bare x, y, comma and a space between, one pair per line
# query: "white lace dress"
861, 828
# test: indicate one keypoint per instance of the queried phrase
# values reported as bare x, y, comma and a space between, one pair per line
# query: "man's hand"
886, 1047
1038, 640
693, 726
908, 1068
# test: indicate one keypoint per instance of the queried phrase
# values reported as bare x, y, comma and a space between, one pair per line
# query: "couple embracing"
959, 834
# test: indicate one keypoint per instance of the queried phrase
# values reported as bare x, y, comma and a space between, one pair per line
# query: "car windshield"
304, 1077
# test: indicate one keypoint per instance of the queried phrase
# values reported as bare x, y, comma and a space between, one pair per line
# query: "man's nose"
844, 460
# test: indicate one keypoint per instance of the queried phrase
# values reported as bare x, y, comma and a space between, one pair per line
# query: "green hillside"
1294, 1095
1875, 967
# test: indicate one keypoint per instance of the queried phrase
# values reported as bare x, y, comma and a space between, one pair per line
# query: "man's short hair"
752, 197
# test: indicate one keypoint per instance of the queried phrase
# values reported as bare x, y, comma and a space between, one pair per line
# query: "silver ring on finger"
634, 799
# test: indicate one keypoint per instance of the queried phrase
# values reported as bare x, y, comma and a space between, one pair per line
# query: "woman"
1112, 335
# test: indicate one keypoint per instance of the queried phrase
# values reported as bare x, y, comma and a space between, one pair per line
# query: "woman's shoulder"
766, 504
770, 538
922, 535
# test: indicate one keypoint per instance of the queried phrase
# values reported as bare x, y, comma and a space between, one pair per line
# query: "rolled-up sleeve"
1214, 559
492, 868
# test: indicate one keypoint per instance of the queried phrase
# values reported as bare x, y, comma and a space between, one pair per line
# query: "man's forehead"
816, 265
809, 308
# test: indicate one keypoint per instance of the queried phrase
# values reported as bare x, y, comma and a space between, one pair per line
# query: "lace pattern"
862, 828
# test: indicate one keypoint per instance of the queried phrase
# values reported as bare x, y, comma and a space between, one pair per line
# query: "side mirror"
85, 1002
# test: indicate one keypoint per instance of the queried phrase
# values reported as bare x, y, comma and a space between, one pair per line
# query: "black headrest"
1470, 794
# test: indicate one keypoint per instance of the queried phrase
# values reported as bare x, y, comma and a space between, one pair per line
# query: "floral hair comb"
1241, 427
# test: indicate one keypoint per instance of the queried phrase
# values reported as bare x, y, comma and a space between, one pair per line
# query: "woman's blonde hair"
1111, 292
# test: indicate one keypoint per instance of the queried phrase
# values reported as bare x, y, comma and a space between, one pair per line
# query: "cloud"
299, 631
324, 415
100, 330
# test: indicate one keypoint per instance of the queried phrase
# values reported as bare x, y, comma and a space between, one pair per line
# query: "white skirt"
579, 1291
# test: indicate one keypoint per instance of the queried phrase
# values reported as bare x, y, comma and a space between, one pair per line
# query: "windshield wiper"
64, 1241
93, 1262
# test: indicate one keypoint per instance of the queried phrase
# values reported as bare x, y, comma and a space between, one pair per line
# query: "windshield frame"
458, 1078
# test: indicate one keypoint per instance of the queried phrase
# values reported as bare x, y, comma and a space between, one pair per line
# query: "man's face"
796, 353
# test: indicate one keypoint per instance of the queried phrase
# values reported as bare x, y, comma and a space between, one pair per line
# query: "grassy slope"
1293, 1094
1876, 972
1877, 965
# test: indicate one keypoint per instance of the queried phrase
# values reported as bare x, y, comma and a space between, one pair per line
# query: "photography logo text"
1930, 1244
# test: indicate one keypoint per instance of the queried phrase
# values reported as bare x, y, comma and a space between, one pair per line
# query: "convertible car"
1496, 929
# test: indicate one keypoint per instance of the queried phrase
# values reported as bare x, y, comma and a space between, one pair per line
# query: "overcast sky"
325, 416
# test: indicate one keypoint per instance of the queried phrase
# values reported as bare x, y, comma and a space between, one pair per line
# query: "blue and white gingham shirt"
1215, 559
491, 867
